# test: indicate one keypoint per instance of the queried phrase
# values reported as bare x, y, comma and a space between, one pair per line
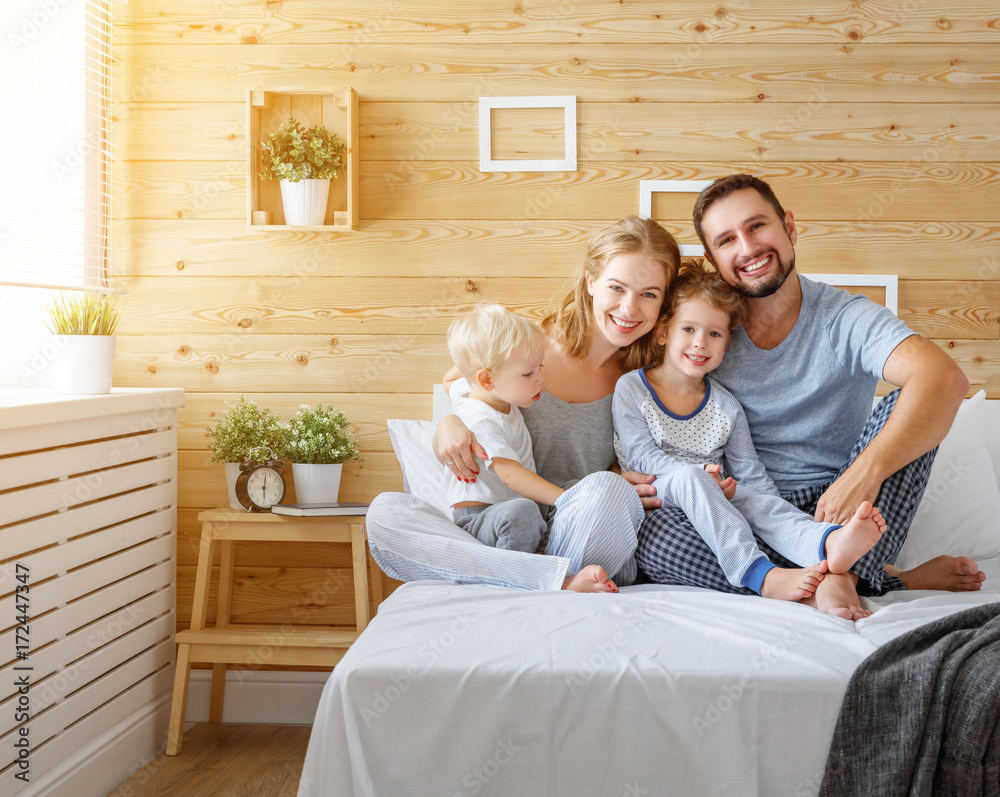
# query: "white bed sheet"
465, 689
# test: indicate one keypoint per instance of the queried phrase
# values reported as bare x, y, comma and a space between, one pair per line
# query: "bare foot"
837, 594
792, 584
844, 546
593, 578
953, 573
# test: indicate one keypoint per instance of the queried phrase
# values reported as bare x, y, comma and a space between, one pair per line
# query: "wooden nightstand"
241, 644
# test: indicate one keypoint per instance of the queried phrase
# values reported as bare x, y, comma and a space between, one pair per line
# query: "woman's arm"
450, 378
457, 448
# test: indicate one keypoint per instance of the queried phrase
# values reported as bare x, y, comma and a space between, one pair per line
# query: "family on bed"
703, 428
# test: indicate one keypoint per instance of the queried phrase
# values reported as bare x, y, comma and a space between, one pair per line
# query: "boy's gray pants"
515, 525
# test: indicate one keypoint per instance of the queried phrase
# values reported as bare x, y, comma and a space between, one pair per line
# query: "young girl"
675, 422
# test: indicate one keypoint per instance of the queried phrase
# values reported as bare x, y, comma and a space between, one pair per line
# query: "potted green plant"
84, 325
304, 161
319, 441
237, 430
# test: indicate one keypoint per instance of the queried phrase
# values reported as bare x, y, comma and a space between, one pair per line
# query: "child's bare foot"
837, 594
593, 578
792, 584
844, 546
953, 573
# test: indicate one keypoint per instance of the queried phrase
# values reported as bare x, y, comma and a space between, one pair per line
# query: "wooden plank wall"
876, 122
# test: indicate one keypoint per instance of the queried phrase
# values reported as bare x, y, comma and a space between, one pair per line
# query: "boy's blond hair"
489, 335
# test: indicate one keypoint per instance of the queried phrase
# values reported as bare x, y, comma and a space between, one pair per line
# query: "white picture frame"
649, 187
486, 161
888, 281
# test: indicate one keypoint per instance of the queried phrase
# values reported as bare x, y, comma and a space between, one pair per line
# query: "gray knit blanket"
921, 715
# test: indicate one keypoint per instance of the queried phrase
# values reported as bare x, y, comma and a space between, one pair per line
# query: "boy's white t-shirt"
500, 435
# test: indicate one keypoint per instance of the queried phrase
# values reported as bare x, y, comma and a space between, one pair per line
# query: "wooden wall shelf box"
266, 111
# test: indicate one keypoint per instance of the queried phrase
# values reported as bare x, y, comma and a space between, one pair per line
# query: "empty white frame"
888, 281
649, 187
486, 161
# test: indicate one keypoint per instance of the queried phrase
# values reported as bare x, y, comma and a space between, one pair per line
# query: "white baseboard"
110, 759
252, 696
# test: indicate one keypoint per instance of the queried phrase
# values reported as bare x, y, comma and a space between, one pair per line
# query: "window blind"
55, 215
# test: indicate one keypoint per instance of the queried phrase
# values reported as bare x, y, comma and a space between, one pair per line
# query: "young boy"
499, 355
675, 422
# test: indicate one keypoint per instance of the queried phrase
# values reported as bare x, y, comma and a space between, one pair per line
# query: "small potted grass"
84, 325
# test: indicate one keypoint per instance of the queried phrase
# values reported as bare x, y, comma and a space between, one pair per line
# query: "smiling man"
805, 366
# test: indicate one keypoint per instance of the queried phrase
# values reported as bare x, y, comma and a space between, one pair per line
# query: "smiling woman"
601, 328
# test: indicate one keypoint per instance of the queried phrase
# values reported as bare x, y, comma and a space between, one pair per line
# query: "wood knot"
943, 23
854, 34
720, 12
180, 265
250, 38
152, 369
471, 287
302, 358
212, 366
760, 97
218, 28
245, 323
184, 351
700, 27
333, 342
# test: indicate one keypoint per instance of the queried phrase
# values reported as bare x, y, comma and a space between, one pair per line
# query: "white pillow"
423, 475
960, 510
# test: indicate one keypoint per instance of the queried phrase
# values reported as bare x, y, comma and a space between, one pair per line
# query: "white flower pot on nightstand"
316, 484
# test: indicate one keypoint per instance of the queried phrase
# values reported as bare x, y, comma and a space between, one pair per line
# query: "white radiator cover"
88, 520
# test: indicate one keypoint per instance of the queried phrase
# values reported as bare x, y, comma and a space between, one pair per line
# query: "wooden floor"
220, 760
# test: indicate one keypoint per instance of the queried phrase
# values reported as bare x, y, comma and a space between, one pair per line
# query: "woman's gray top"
570, 441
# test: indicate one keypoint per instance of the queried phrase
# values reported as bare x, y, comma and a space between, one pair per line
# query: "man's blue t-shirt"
808, 399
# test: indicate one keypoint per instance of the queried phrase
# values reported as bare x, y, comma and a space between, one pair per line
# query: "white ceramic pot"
316, 484
232, 474
85, 363
304, 202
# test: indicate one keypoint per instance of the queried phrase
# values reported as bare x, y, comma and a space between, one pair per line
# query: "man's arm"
932, 388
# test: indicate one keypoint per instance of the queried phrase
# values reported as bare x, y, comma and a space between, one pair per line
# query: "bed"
469, 689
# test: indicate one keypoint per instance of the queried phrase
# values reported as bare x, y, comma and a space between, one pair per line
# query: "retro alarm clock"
260, 484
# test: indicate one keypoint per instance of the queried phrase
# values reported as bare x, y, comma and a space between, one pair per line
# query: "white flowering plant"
320, 436
242, 427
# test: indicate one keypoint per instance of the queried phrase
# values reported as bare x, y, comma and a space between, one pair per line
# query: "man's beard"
769, 286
